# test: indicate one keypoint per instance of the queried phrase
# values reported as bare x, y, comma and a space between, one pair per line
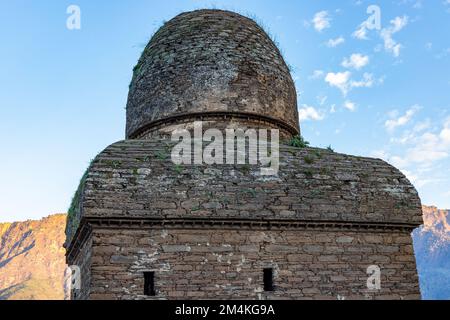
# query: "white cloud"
321, 21
355, 61
409, 135
333, 43
350, 105
414, 176
428, 147
423, 125
390, 45
411, 176
381, 154
417, 180
339, 80
445, 133
317, 74
366, 82
405, 138
398, 23
420, 151
309, 113
342, 81
392, 124
361, 32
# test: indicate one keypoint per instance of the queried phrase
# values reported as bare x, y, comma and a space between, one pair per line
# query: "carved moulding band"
87, 224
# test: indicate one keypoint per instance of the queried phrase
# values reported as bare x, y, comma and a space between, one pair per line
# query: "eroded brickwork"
229, 264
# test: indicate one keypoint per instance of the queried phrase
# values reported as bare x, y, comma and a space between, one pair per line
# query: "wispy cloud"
333, 43
317, 74
444, 53
349, 105
415, 4
355, 61
321, 21
310, 113
339, 80
429, 147
366, 82
361, 32
386, 34
343, 81
447, 4
400, 121
390, 45
423, 148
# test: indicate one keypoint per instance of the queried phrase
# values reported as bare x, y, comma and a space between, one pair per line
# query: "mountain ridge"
432, 250
32, 257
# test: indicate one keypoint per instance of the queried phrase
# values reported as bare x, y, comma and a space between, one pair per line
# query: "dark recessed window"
268, 279
149, 283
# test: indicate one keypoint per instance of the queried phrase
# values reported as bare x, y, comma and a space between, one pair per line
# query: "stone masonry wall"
165, 130
83, 259
210, 60
133, 190
195, 264
136, 178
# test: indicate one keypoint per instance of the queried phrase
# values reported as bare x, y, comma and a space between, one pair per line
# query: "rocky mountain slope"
432, 249
32, 261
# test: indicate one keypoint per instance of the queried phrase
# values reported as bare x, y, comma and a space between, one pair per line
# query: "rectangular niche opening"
149, 283
268, 279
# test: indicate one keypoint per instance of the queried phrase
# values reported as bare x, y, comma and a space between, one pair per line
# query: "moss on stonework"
308, 159
298, 142
74, 214
137, 68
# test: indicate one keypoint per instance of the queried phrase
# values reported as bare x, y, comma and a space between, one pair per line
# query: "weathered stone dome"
211, 65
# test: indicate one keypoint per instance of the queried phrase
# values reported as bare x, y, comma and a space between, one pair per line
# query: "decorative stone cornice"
213, 115
90, 223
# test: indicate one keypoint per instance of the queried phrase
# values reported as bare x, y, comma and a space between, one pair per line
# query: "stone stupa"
141, 227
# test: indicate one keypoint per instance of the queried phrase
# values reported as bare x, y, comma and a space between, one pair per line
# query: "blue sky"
374, 92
